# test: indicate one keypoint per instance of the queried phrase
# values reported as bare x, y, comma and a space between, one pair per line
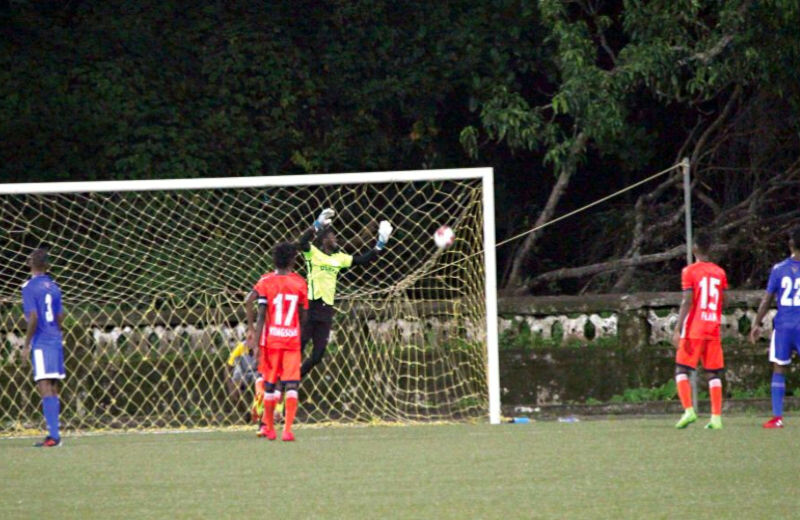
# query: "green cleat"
689, 416
715, 423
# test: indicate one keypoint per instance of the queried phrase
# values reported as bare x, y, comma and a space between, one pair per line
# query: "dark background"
598, 94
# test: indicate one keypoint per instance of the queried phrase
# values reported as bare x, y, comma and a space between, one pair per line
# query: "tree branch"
516, 278
613, 265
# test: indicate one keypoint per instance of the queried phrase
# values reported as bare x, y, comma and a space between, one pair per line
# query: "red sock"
291, 409
684, 390
715, 391
269, 410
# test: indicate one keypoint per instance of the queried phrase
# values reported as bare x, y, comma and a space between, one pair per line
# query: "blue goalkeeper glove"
324, 219
384, 232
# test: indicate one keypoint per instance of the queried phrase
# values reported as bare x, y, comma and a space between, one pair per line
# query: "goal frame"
485, 174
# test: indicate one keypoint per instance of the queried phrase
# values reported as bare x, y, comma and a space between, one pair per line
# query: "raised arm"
304, 242
384, 232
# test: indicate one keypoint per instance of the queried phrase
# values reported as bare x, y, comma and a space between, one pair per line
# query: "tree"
680, 61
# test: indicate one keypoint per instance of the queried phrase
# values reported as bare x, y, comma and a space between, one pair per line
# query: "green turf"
641, 468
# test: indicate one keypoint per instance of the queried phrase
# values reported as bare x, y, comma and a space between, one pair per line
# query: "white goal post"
29, 210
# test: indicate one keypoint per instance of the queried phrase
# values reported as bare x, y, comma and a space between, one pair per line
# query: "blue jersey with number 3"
784, 283
41, 294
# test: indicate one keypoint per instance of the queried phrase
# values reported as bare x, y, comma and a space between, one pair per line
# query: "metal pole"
490, 284
687, 206
687, 211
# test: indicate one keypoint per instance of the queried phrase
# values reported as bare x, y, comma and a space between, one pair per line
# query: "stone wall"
641, 319
577, 348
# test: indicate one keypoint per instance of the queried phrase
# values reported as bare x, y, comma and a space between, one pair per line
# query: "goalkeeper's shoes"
288, 436
715, 423
266, 432
689, 416
49, 442
775, 422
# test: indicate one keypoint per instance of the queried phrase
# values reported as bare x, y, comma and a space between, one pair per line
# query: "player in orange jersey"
697, 334
282, 305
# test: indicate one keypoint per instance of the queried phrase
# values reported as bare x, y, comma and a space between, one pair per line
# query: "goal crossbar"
320, 179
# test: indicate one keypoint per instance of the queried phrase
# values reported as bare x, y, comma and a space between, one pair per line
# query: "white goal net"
154, 274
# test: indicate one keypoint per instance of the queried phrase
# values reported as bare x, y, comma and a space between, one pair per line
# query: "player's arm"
323, 220
251, 316
304, 242
262, 317
766, 303
33, 320
686, 304
384, 232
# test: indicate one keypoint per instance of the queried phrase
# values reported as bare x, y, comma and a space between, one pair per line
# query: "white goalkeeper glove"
324, 219
384, 232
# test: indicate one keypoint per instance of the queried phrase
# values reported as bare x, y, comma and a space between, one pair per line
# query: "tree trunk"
516, 280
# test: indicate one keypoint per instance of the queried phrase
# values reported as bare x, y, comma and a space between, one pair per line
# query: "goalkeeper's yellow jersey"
322, 272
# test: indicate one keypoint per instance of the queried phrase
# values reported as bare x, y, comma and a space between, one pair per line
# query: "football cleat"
266, 432
288, 436
49, 442
715, 423
688, 417
775, 422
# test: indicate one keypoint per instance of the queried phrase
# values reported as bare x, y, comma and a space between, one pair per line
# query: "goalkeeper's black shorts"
318, 310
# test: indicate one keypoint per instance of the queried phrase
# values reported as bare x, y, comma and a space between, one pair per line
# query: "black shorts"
318, 310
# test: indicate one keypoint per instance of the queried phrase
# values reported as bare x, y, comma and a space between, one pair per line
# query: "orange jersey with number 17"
283, 295
706, 280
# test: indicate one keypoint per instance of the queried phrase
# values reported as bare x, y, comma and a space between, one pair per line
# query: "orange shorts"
708, 351
282, 364
263, 362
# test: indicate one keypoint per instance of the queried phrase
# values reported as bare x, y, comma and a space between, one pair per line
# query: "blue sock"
778, 391
51, 407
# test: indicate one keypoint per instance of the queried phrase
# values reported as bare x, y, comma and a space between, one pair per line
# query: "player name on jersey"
283, 332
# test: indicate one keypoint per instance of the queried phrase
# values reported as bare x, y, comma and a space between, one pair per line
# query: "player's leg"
685, 362
268, 418
51, 409
48, 370
320, 332
778, 391
257, 408
715, 395
714, 364
780, 354
291, 371
267, 422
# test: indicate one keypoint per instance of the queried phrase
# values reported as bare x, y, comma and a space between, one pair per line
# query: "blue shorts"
48, 360
783, 343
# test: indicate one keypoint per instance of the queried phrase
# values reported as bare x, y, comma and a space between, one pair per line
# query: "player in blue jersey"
41, 303
784, 283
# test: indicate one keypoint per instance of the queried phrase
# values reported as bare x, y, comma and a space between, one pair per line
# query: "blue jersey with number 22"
784, 283
41, 294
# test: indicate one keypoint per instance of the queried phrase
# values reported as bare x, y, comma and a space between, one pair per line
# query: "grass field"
631, 468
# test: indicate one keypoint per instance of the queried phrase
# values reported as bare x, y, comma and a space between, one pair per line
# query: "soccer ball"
444, 237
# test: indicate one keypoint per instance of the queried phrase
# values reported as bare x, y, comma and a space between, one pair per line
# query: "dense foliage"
568, 100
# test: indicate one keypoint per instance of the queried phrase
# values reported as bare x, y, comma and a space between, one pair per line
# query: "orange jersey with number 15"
283, 295
706, 280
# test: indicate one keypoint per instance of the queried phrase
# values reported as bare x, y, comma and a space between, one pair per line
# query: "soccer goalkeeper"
323, 263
